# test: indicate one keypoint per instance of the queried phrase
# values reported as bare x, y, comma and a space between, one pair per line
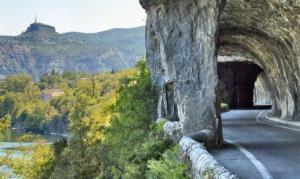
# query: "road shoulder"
264, 119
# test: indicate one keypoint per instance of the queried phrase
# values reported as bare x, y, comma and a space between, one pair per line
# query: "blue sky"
70, 15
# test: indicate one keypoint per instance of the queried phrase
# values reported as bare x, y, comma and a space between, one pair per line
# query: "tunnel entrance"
237, 84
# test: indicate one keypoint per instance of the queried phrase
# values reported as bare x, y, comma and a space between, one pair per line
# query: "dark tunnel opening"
237, 84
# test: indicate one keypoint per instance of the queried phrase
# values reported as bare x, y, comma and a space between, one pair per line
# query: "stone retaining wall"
193, 152
203, 165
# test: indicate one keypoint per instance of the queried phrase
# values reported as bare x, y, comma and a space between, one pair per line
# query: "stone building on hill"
47, 95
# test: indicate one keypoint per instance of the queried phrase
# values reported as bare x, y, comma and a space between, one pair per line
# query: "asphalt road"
258, 150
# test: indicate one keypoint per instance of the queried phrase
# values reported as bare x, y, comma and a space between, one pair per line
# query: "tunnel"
184, 40
237, 84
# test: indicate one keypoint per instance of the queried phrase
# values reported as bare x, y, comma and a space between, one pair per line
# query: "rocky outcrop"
181, 53
173, 130
40, 49
183, 39
40, 28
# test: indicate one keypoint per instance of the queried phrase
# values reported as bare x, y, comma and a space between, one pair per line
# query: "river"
10, 143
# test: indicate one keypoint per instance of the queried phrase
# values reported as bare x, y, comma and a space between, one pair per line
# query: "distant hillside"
41, 49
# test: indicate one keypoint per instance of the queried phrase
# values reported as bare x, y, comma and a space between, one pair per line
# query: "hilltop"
40, 49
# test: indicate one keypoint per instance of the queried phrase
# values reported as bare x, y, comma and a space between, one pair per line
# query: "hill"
40, 49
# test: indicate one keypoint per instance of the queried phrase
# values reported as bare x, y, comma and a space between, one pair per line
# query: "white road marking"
284, 127
259, 166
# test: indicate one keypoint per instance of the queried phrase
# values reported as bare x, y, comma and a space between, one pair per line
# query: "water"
11, 144
13, 134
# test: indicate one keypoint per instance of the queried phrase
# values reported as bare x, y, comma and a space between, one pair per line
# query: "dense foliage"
35, 161
20, 102
112, 132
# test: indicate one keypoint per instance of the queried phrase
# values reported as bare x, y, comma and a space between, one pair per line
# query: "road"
258, 150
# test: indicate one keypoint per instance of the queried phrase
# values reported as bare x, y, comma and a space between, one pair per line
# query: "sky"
70, 15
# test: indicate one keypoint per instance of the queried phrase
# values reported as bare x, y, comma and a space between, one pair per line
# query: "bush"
224, 107
168, 167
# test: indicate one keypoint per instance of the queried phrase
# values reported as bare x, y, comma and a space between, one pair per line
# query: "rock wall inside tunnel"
267, 33
237, 81
262, 96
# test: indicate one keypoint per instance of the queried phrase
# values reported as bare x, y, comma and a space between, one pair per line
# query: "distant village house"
47, 95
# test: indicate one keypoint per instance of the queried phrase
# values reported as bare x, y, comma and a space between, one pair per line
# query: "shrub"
168, 167
224, 107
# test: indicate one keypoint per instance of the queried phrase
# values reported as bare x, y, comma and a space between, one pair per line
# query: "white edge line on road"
258, 165
284, 127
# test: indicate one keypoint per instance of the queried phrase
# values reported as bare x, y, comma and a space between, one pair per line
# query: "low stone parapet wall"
193, 152
203, 165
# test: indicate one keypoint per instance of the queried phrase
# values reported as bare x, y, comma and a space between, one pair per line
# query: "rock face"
184, 38
40, 49
39, 27
267, 33
181, 52
262, 95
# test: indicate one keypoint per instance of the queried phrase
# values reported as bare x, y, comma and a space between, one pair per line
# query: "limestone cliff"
184, 38
181, 52
40, 49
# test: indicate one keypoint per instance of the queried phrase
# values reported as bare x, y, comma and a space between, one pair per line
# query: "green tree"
111, 124
168, 167
87, 105
37, 159
17, 83
133, 117
5, 123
